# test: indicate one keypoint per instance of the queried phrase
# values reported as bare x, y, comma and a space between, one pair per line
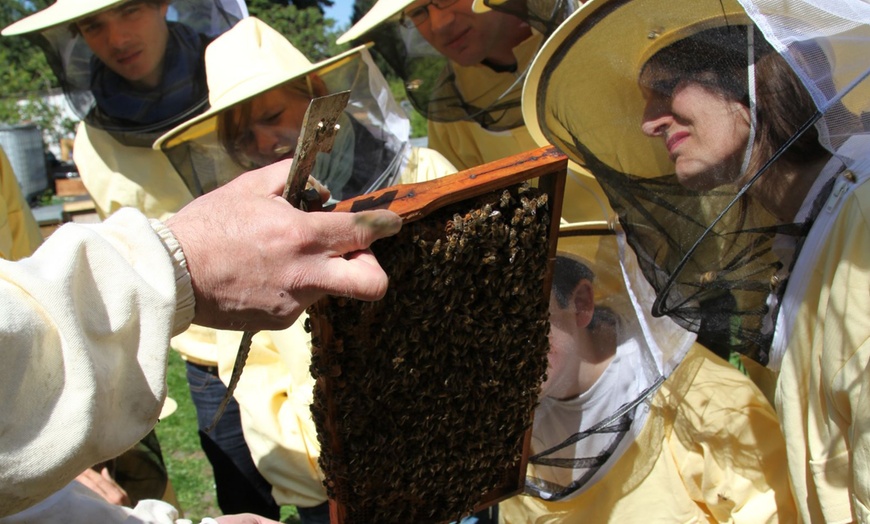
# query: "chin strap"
750, 81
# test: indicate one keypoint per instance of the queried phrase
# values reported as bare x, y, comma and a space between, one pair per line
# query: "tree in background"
25, 69
302, 22
25, 78
304, 4
382, 44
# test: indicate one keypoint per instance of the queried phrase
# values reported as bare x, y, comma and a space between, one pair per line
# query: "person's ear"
583, 299
318, 86
164, 8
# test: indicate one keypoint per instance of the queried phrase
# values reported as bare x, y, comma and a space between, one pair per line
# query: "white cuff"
185, 302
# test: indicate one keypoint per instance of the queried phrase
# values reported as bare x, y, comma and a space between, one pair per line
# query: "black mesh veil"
727, 291
720, 253
543, 15
431, 79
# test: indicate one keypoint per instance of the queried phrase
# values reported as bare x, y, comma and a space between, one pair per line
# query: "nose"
265, 141
440, 19
273, 142
656, 118
118, 36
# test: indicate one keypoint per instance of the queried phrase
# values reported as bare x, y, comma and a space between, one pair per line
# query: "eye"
272, 118
417, 13
89, 28
660, 88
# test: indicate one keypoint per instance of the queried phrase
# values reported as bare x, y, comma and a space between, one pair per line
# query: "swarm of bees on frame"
423, 398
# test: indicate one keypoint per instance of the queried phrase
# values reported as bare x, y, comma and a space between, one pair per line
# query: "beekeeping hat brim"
169, 407
483, 6
583, 85
382, 11
60, 12
246, 61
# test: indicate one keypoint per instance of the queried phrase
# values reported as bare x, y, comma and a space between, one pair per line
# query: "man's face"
468, 38
563, 360
130, 40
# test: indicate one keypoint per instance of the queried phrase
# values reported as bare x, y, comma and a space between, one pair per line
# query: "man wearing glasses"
480, 57
463, 63
466, 37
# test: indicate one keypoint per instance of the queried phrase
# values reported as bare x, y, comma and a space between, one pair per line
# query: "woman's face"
705, 133
276, 120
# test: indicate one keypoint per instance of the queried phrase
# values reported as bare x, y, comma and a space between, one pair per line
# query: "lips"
673, 141
127, 57
458, 40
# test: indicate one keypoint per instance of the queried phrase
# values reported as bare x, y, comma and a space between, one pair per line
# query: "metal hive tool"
317, 135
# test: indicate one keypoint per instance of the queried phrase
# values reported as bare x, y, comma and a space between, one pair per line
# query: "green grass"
189, 470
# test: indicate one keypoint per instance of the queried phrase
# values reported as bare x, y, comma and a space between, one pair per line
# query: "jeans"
320, 515
240, 487
316, 515
487, 516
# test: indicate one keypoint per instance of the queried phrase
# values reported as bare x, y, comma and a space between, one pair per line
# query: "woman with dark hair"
674, 78
748, 211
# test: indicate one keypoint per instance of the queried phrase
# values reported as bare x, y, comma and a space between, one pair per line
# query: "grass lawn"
189, 470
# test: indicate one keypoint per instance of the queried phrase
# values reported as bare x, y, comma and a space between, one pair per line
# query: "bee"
436, 247
707, 278
505, 198
444, 319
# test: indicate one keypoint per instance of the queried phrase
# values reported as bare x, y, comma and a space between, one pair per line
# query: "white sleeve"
77, 504
84, 338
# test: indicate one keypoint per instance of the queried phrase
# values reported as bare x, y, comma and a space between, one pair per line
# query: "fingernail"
380, 223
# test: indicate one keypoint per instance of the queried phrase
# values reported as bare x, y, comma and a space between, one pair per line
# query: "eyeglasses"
420, 14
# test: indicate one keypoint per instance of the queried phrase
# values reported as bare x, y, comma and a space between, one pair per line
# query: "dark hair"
717, 59
74, 27
567, 273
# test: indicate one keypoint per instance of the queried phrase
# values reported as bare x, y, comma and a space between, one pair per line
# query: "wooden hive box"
424, 399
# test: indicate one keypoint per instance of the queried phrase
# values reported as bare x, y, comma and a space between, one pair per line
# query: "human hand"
322, 191
245, 518
105, 486
256, 263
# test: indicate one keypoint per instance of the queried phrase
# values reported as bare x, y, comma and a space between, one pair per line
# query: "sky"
340, 11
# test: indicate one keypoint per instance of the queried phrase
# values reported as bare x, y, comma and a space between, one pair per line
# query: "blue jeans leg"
240, 487
486, 516
316, 515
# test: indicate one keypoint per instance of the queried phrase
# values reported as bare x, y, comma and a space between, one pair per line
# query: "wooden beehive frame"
416, 201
